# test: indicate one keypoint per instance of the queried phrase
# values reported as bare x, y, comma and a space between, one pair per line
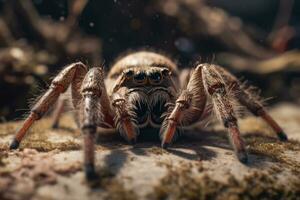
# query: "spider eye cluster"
129, 73
165, 72
155, 77
140, 77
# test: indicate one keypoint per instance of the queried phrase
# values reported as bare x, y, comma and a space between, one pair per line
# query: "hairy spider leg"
252, 104
72, 73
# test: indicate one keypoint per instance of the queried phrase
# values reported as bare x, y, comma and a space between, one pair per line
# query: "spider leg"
188, 107
94, 110
60, 83
246, 98
216, 89
124, 116
59, 109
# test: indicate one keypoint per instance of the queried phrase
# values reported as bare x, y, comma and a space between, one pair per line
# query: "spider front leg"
215, 87
187, 110
190, 104
71, 74
94, 111
252, 104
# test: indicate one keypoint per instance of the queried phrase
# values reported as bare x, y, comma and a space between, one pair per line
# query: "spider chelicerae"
146, 90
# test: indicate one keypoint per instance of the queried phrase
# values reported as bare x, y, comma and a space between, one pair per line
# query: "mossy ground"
182, 183
199, 166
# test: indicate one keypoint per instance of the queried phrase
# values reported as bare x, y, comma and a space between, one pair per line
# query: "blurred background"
257, 40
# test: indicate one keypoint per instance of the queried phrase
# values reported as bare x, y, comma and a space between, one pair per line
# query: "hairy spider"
143, 90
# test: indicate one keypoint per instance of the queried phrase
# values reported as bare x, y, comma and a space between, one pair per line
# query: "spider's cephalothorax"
145, 89
148, 82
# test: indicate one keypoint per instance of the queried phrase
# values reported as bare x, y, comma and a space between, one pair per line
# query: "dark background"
120, 26
111, 20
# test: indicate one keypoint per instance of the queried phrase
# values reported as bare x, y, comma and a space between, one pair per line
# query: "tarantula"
141, 91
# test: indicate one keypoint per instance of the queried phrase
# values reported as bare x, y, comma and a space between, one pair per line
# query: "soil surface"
200, 165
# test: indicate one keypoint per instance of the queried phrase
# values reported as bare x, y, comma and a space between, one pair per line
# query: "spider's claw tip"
282, 136
132, 141
14, 145
243, 157
165, 145
55, 126
90, 173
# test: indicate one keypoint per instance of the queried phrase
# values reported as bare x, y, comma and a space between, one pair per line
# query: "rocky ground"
200, 165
